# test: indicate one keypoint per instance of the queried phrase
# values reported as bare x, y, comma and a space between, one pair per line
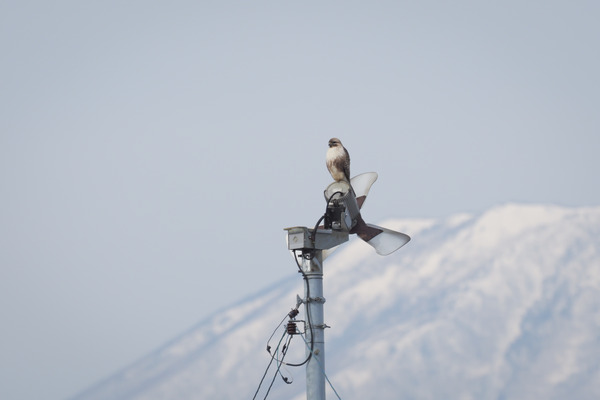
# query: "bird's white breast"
333, 154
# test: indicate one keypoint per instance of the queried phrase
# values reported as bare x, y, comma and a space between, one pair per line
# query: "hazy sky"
151, 153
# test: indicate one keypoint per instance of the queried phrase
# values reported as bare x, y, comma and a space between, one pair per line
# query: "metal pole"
312, 266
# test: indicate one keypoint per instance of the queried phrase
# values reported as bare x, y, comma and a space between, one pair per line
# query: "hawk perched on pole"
338, 161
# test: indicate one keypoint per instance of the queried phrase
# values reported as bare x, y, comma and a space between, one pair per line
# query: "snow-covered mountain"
502, 305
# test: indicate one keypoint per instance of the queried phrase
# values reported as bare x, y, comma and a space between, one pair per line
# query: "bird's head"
333, 142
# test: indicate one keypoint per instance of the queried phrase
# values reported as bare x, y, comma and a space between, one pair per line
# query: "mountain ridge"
476, 306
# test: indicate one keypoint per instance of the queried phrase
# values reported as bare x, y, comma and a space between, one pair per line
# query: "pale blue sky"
151, 153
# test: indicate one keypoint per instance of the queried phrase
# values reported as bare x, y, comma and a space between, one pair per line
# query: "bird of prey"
338, 161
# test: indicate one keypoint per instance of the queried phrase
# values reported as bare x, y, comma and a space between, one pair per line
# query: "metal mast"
341, 218
312, 243
312, 266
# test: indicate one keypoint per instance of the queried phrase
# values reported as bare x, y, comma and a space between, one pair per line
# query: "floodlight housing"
342, 209
344, 202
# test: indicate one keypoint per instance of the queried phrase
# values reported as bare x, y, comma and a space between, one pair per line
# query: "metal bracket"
315, 300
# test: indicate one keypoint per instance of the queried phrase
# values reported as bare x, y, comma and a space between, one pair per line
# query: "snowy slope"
502, 305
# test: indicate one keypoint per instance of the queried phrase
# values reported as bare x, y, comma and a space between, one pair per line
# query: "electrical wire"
308, 316
269, 366
279, 364
306, 305
285, 348
314, 232
272, 334
334, 193
323, 369
275, 353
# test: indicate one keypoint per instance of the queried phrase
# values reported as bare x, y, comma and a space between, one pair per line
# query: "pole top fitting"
300, 238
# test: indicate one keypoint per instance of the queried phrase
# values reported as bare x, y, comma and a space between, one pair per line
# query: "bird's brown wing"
346, 165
